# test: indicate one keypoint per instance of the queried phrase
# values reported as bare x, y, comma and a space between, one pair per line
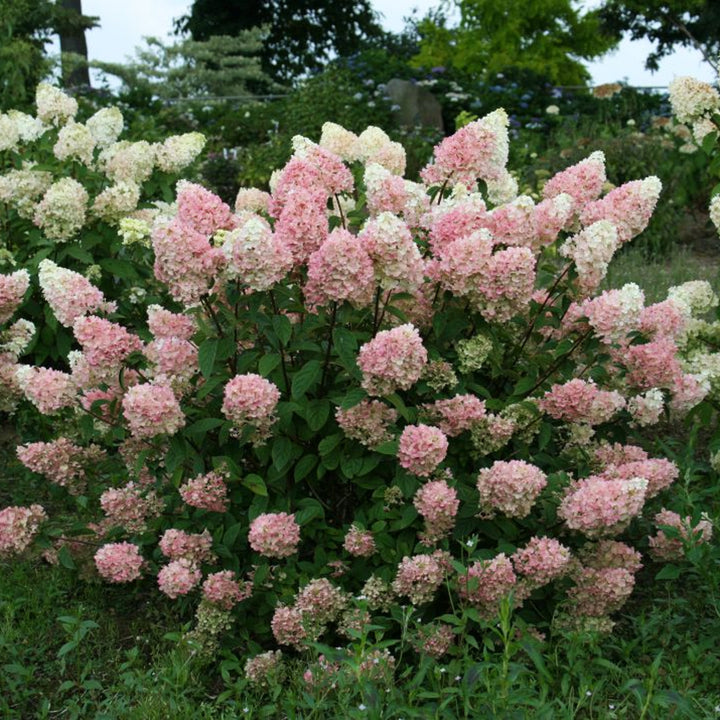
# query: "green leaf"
317, 413
305, 378
523, 385
202, 426
121, 268
65, 558
346, 348
329, 443
352, 398
387, 448
256, 484
283, 328
304, 467
669, 572
268, 363
309, 510
75, 251
282, 452
231, 534
207, 352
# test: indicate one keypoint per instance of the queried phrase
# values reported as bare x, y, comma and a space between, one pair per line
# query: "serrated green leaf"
202, 426
387, 448
281, 452
309, 510
669, 572
231, 534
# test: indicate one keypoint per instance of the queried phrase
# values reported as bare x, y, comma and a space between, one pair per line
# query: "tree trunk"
72, 40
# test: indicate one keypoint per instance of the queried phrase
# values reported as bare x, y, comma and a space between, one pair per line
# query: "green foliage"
301, 35
26, 27
684, 23
543, 36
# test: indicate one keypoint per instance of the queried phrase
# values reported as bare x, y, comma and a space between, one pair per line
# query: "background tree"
667, 24
301, 34
26, 28
548, 37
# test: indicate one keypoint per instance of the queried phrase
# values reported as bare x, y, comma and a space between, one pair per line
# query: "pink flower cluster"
320, 602
598, 507
367, 422
581, 401
666, 547
254, 255
12, 290
47, 389
421, 449
600, 591
251, 400
178, 577
165, 324
225, 590
151, 410
392, 359
18, 527
61, 461
105, 344
202, 210
340, 269
478, 150
207, 492
583, 182
274, 534
175, 361
287, 626
660, 473
302, 226
130, 507
628, 207
510, 487
487, 582
456, 414
438, 503
179, 545
185, 261
69, 294
541, 561
119, 562
359, 543
435, 640
259, 670
396, 259
420, 576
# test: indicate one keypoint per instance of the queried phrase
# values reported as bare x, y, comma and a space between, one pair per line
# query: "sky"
123, 25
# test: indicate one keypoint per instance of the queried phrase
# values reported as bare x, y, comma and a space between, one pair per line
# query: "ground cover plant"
395, 417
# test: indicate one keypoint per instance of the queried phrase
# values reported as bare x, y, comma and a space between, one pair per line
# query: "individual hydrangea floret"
274, 534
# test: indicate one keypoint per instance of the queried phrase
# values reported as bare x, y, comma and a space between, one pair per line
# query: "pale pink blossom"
368, 422
250, 400
178, 577
207, 492
274, 534
18, 527
486, 583
421, 449
12, 290
438, 503
119, 562
152, 410
510, 487
359, 543
180, 545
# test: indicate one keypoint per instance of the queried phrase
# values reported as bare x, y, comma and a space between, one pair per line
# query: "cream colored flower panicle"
9, 135
691, 99
75, 142
178, 151
53, 105
105, 126
340, 141
29, 128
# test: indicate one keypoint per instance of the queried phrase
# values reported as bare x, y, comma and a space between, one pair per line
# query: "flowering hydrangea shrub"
354, 394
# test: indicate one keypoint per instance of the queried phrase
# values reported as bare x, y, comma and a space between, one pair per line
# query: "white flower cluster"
696, 295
